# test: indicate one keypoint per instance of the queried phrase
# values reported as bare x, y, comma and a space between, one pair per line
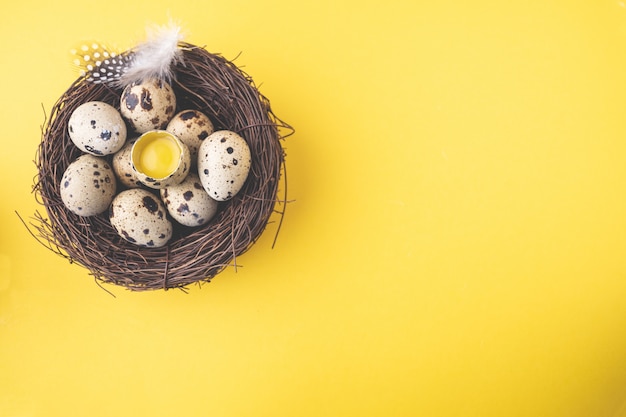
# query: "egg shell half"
139, 217
97, 128
192, 128
176, 177
188, 203
148, 105
123, 166
88, 186
223, 164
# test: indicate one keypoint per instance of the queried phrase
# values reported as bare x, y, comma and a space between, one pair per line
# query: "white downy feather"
155, 57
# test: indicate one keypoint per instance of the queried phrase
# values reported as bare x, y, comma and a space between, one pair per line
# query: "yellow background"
456, 246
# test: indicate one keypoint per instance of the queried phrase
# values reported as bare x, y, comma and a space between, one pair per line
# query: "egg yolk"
156, 156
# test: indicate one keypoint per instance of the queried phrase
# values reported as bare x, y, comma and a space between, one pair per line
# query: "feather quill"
155, 57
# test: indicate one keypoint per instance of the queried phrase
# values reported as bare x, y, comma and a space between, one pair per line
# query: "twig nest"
150, 254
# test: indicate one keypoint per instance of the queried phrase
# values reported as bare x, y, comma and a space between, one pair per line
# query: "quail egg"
97, 128
139, 217
123, 166
191, 127
88, 185
224, 161
148, 105
160, 159
188, 203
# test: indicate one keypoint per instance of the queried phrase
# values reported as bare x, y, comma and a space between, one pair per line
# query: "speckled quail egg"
97, 128
148, 105
223, 164
123, 166
191, 127
139, 217
88, 185
188, 203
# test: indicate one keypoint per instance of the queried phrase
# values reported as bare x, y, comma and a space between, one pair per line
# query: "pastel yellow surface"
456, 246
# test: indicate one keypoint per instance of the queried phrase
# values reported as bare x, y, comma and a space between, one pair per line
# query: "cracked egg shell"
191, 127
97, 128
88, 186
139, 217
188, 203
153, 153
224, 161
123, 166
148, 105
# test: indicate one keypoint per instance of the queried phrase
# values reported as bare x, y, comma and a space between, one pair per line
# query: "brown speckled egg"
97, 128
123, 166
139, 217
188, 203
191, 127
149, 105
224, 161
88, 186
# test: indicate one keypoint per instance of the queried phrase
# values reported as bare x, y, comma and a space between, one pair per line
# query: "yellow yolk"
159, 158
156, 155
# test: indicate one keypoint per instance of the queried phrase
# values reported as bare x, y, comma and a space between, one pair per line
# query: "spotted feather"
100, 64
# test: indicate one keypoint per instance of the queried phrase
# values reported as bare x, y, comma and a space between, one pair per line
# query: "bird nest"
216, 87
